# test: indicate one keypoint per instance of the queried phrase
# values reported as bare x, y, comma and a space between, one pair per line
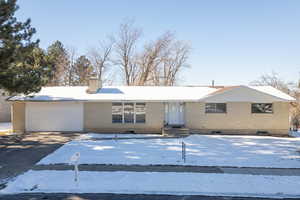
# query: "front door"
174, 113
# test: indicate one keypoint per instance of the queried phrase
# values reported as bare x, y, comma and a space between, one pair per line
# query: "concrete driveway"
19, 153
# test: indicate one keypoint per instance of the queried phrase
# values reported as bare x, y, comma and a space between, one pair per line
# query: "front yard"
145, 150
201, 150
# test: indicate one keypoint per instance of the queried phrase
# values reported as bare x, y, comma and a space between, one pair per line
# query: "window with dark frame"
117, 113
128, 112
215, 108
262, 108
140, 113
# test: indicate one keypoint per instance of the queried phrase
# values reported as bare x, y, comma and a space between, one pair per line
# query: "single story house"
149, 109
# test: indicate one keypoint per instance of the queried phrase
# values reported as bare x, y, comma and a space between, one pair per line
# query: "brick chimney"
94, 84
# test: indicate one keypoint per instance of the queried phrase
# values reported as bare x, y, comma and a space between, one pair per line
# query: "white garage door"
56, 116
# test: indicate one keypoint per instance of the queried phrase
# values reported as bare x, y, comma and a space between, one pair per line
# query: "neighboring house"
4, 109
148, 109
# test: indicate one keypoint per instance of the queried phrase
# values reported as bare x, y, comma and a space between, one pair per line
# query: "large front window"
128, 112
215, 108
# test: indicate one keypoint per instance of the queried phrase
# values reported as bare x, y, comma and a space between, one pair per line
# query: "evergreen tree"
23, 66
58, 57
82, 68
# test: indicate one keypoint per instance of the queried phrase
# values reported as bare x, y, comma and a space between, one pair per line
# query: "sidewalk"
175, 168
99, 196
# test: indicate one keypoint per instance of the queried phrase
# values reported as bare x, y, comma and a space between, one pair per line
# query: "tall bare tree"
126, 41
100, 58
174, 61
158, 62
162, 60
151, 58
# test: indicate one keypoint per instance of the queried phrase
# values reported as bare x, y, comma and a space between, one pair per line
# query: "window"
128, 112
215, 108
117, 113
140, 112
262, 108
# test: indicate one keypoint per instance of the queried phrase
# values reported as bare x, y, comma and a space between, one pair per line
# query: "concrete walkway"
137, 138
175, 168
95, 196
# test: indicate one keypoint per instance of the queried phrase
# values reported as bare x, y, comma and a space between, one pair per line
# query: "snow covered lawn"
202, 150
156, 183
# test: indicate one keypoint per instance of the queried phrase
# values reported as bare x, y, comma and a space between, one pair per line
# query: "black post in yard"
183, 151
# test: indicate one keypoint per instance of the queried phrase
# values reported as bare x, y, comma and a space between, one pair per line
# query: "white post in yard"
74, 160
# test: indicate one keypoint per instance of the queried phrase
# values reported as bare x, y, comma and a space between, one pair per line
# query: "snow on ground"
5, 126
202, 150
156, 183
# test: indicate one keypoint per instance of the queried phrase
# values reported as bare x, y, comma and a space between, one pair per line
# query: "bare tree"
126, 41
100, 58
295, 113
273, 80
162, 60
152, 57
295, 107
174, 62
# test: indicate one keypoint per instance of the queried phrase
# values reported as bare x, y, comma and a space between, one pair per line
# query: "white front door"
174, 113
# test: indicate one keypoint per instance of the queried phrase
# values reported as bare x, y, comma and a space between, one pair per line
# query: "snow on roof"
119, 93
135, 93
273, 92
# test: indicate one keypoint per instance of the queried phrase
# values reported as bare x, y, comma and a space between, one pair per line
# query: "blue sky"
233, 42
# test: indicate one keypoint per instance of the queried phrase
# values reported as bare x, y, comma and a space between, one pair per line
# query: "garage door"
56, 116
